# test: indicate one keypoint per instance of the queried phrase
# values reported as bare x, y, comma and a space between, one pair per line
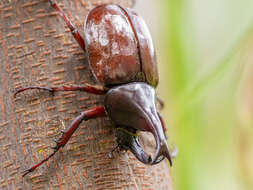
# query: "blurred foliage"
206, 80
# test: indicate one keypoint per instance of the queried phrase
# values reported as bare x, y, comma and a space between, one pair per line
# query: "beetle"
122, 58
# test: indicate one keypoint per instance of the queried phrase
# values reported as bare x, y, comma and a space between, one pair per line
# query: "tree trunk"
36, 48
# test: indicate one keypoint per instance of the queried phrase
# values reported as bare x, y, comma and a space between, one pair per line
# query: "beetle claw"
24, 173
111, 152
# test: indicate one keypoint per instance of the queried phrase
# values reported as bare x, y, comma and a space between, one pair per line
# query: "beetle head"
133, 106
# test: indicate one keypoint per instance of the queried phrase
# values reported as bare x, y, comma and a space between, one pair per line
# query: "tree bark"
36, 48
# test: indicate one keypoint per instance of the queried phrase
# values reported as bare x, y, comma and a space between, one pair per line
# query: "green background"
205, 54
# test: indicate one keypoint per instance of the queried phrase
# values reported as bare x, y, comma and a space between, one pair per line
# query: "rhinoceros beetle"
122, 58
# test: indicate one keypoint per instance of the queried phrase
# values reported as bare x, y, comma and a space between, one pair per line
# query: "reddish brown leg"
85, 115
70, 25
87, 88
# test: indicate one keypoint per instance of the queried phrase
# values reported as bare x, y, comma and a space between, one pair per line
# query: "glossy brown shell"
119, 46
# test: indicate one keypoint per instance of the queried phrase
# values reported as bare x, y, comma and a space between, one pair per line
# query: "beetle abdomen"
111, 45
119, 46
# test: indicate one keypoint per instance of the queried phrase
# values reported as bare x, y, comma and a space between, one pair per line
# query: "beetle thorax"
131, 105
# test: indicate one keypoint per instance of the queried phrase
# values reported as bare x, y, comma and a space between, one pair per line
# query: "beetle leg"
85, 115
160, 103
70, 25
87, 88
111, 152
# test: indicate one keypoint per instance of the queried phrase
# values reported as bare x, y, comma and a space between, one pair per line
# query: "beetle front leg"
70, 25
87, 88
85, 115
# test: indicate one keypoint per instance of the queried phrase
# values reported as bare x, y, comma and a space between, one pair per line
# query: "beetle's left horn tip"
162, 151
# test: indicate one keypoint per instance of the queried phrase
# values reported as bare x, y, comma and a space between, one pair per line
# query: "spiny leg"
87, 88
85, 115
70, 25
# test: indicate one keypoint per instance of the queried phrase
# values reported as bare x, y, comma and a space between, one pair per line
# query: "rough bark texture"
36, 48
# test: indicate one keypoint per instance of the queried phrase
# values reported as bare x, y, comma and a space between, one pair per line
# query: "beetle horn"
133, 106
139, 153
162, 149
129, 141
